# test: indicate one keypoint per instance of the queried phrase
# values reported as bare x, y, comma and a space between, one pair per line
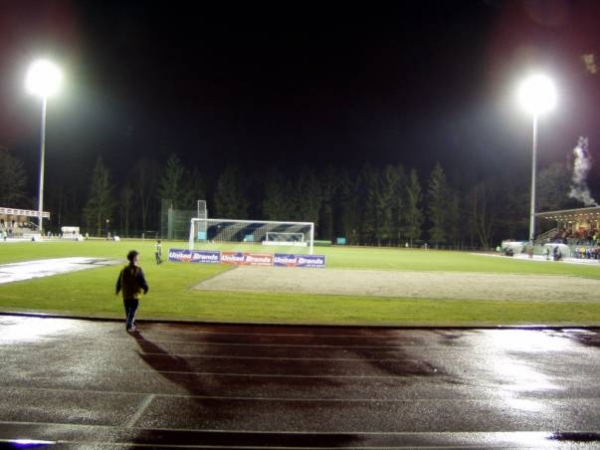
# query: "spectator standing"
158, 252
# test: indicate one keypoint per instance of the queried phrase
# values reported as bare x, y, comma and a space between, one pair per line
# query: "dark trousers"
131, 306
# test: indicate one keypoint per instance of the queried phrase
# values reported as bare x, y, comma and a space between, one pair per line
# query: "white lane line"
281, 358
342, 346
261, 375
148, 398
313, 335
141, 410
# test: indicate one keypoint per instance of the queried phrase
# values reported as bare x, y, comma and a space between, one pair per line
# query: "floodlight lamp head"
43, 78
537, 94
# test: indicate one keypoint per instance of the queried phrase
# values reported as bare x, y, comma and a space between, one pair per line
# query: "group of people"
590, 236
587, 252
12, 228
132, 283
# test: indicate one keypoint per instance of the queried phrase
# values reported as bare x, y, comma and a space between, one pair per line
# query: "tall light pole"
43, 80
537, 95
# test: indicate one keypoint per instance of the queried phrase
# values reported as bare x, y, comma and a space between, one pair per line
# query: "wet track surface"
89, 384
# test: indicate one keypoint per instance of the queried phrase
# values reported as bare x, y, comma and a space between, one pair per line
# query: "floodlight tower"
43, 80
537, 95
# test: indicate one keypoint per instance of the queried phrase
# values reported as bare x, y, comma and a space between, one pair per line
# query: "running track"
88, 384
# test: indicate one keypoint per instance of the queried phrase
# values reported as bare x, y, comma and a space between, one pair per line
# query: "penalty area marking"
406, 284
29, 270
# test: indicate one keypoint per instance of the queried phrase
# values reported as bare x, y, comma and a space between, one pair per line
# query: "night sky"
289, 83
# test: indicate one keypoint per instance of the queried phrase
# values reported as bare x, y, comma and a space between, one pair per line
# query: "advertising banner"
287, 260
247, 259
194, 256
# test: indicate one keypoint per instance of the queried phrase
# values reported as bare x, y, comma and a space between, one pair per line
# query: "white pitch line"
28, 270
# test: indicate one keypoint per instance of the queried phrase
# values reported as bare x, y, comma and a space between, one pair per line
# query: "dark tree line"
378, 206
13, 181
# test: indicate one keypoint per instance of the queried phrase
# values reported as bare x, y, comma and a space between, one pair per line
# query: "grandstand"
21, 223
576, 229
572, 226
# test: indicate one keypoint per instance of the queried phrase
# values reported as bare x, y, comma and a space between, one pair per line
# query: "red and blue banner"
194, 256
246, 258
287, 260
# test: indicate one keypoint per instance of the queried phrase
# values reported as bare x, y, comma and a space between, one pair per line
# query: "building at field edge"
571, 225
18, 222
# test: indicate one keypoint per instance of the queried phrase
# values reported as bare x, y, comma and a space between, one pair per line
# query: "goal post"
258, 232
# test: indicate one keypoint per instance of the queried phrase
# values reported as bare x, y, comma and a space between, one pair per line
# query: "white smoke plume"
581, 167
590, 63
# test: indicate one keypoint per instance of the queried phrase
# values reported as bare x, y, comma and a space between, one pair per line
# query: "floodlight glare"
537, 94
43, 78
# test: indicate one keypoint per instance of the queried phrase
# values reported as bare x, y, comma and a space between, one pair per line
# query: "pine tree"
145, 174
13, 181
437, 204
100, 204
308, 196
230, 199
173, 184
276, 204
412, 219
126, 210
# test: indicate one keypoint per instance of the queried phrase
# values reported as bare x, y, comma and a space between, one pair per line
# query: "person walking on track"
132, 283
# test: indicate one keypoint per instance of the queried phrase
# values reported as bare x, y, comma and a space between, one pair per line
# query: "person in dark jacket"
158, 252
132, 283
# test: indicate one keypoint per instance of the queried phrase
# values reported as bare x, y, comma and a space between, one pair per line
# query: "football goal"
258, 232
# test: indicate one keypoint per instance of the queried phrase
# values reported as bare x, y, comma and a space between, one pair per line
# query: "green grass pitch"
90, 293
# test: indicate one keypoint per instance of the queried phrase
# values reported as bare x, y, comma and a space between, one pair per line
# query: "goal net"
252, 232
276, 236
